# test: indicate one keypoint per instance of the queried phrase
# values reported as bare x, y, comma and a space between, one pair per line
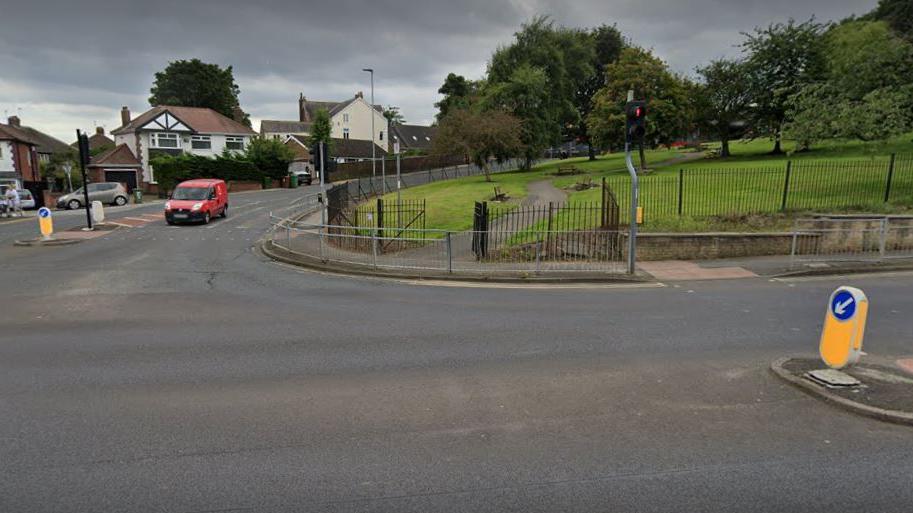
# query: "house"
349, 119
174, 130
413, 138
45, 145
117, 164
341, 150
98, 142
18, 157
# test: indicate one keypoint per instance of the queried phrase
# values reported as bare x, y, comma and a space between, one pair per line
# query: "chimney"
302, 108
360, 94
100, 130
13, 121
124, 116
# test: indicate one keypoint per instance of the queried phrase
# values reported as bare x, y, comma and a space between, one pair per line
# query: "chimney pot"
124, 115
13, 121
360, 94
302, 108
100, 130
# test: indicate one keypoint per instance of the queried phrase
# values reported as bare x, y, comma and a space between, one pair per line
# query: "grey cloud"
63, 63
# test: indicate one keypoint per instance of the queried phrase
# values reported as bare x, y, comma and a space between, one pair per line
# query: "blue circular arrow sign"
843, 305
44, 212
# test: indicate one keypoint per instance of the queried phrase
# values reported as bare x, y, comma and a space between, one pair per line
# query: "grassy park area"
743, 192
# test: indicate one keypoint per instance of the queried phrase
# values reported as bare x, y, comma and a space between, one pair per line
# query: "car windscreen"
190, 193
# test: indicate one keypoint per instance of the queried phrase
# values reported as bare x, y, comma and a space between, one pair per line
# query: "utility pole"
83, 162
323, 188
373, 154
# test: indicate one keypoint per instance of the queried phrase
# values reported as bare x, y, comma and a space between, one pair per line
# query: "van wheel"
206, 218
73, 204
120, 201
224, 213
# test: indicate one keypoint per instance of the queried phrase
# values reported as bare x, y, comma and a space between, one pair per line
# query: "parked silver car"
111, 193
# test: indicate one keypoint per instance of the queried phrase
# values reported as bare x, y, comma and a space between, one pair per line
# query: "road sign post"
45, 223
844, 327
83, 141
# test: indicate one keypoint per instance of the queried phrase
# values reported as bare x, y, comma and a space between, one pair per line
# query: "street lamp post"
373, 154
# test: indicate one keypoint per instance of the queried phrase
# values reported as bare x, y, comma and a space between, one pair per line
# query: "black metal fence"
793, 186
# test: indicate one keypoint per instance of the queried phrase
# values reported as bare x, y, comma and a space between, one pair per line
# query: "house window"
234, 143
345, 118
164, 140
381, 135
345, 133
201, 142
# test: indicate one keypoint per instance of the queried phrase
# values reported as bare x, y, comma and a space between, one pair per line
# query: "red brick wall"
25, 160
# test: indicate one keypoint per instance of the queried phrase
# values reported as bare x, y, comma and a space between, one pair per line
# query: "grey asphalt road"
176, 369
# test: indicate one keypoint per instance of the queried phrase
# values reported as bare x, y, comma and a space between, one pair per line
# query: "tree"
393, 115
782, 59
194, 83
525, 96
668, 106
270, 156
557, 60
458, 94
866, 93
898, 14
608, 43
321, 130
723, 99
479, 136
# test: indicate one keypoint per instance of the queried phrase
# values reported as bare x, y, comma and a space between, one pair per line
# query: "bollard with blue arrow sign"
844, 327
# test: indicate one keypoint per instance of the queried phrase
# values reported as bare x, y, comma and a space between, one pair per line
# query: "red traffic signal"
635, 122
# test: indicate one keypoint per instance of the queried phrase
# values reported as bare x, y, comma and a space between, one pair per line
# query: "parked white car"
26, 199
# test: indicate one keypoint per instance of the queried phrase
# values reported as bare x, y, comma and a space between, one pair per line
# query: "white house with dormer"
349, 119
174, 130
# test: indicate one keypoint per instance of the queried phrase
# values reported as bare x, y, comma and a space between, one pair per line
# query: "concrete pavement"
173, 368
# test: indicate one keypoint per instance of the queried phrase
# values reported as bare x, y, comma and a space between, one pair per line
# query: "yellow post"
844, 327
45, 223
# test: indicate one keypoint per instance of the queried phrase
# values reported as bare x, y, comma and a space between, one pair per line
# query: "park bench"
572, 170
584, 184
499, 195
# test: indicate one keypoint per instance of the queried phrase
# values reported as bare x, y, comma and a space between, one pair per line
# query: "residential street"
164, 368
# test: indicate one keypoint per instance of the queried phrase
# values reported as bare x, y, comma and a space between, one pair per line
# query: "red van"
197, 200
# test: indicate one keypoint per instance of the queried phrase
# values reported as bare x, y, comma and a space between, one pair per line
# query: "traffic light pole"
323, 188
83, 143
632, 232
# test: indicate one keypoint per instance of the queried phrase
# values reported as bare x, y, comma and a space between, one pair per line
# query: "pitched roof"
299, 146
44, 142
97, 140
413, 136
119, 156
311, 107
355, 149
11, 133
290, 127
199, 119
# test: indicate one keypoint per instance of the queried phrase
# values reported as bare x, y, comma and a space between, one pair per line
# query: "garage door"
128, 178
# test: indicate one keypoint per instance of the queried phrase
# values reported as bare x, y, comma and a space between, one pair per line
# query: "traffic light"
635, 123
84, 155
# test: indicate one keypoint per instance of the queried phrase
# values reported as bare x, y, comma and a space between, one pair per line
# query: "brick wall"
702, 246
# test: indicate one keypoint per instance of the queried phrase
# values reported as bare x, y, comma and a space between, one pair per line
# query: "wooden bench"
499, 195
572, 170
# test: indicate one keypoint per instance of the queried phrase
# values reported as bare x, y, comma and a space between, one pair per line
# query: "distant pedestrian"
13, 202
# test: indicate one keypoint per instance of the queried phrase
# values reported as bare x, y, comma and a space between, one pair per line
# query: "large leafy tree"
557, 60
393, 115
608, 43
723, 100
898, 14
479, 136
866, 93
458, 93
270, 156
668, 106
194, 83
782, 59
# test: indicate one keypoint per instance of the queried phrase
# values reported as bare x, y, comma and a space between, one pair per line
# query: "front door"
128, 178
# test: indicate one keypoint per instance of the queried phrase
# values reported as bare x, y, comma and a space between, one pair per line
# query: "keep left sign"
844, 327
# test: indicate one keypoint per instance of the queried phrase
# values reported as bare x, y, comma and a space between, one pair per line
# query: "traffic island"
68, 237
884, 390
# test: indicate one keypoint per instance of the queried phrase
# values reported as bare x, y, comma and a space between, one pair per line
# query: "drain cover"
832, 378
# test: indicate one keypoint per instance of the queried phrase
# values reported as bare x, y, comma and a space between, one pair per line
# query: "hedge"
171, 170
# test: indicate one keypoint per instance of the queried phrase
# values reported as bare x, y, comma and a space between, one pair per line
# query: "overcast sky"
67, 65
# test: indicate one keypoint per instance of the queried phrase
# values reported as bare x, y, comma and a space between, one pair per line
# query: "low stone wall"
705, 246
